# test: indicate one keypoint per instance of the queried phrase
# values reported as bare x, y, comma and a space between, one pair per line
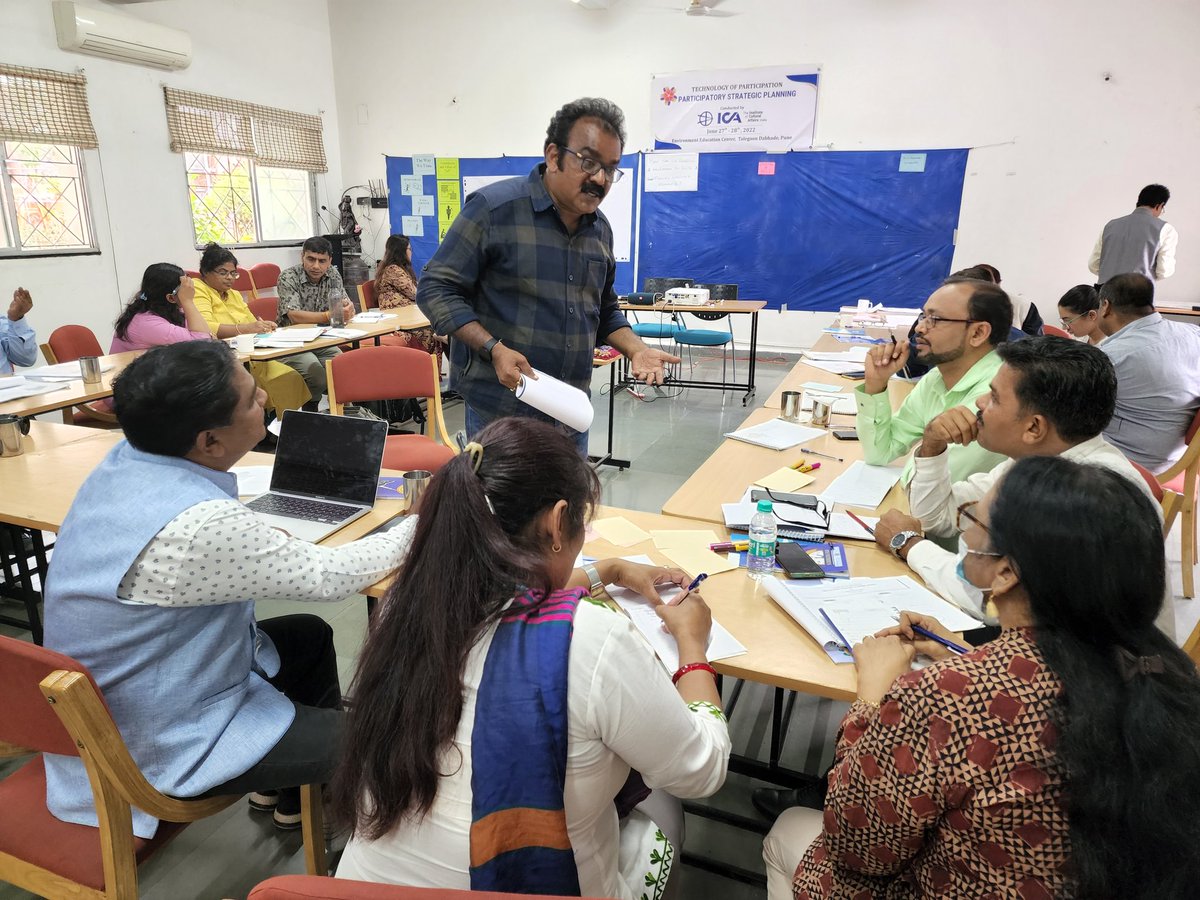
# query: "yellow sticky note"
695, 560
447, 168
785, 480
449, 192
619, 531
665, 540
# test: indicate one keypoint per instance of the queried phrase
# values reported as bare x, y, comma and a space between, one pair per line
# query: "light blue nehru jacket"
186, 684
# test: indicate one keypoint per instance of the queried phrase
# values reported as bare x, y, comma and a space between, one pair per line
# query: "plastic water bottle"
760, 561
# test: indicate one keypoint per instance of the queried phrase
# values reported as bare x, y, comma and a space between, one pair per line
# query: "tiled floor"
666, 439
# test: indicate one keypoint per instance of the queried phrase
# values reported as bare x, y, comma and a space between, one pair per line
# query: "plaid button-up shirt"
297, 292
508, 263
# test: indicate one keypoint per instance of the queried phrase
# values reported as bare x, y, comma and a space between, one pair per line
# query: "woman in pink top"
161, 313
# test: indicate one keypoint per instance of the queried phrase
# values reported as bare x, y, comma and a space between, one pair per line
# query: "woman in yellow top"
228, 315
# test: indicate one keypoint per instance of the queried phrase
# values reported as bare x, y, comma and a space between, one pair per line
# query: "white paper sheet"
854, 354
820, 386
68, 371
776, 434
842, 405
836, 368
841, 525
18, 387
558, 399
721, 644
672, 171
364, 318
862, 485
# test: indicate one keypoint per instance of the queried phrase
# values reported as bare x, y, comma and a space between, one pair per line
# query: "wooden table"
724, 476
407, 318
74, 393
729, 307
803, 371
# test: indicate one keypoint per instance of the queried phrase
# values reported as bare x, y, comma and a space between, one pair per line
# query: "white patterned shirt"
219, 551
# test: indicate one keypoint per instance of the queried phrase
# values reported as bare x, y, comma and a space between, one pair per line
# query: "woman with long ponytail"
1060, 760
496, 717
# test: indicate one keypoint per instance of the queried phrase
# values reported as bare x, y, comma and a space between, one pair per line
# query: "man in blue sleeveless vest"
1139, 242
153, 584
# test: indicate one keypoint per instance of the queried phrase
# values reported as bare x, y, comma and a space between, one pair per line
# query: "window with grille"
234, 200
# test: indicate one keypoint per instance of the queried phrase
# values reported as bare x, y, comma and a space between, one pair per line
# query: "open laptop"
325, 475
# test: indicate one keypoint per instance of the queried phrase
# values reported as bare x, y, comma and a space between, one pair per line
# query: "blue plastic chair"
705, 337
662, 330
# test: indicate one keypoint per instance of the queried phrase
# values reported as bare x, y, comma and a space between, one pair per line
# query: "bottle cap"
764, 506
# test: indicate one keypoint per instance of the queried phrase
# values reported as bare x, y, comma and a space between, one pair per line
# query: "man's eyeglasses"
965, 517
933, 321
593, 167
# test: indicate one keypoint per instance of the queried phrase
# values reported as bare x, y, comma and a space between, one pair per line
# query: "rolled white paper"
557, 399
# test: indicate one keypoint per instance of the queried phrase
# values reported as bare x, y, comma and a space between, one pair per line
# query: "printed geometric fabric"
952, 788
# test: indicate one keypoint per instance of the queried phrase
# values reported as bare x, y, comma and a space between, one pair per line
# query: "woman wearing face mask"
1061, 759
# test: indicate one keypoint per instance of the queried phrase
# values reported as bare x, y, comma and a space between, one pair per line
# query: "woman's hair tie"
1131, 666
475, 451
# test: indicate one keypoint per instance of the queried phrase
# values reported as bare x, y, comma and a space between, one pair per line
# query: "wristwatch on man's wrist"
485, 352
900, 539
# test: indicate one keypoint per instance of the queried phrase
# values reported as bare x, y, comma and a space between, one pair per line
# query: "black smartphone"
797, 563
844, 434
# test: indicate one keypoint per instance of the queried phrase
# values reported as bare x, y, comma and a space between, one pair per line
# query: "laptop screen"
329, 457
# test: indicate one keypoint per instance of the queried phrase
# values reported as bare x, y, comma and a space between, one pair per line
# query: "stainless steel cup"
821, 412
90, 367
791, 405
415, 483
10, 436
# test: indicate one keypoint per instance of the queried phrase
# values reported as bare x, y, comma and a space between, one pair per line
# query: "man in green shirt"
956, 335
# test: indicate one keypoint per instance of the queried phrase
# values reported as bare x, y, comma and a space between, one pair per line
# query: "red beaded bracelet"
692, 667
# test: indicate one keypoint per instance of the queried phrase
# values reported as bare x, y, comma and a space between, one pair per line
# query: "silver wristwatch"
900, 538
593, 574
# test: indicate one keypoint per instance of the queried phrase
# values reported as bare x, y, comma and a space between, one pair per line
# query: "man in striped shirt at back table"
524, 276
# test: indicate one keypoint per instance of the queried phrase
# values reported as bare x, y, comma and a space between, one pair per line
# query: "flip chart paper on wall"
414, 226
424, 165
672, 171
557, 399
423, 205
411, 185
447, 168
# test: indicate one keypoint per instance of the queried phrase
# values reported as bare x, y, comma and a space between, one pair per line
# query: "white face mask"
978, 595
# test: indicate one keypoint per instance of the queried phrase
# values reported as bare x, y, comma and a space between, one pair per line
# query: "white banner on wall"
772, 108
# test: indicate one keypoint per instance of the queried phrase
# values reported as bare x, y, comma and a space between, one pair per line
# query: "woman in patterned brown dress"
396, 286
1060, 760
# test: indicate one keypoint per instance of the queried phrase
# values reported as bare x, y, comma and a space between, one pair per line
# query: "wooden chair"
1192, 645
1179, 495
264, 277
394, 373
66, 344
304, 887
52, 705
366, 295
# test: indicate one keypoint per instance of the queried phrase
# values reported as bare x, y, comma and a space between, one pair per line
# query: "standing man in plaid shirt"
524, 277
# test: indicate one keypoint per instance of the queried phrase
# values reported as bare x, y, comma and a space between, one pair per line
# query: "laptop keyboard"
300, 508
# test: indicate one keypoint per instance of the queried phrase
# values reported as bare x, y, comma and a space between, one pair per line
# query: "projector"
687, 295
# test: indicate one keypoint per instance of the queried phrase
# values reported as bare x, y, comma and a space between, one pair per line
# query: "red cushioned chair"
52, 705
266, 308
264, 277
1179, 495
243, 283
66, 344
1057, 332
394, 373
366, 295
304, 887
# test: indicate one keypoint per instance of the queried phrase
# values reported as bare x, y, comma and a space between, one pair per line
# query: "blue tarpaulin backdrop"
826, 229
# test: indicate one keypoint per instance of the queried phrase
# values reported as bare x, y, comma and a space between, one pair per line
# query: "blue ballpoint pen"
950, 645
691, 587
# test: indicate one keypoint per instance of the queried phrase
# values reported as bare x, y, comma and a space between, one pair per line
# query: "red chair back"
69, 342
367, 292
28, 720
190, 274
266, 308
264, 275
1057, 332
242, 282
382, 373
1155, 488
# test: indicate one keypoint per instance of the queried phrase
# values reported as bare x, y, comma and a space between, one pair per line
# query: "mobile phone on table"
844, 434
796, 562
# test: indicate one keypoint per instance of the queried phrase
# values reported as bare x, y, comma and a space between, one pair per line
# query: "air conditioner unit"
113, 35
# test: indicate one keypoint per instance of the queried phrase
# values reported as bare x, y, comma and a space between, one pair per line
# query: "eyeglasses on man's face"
931, 320
593, 167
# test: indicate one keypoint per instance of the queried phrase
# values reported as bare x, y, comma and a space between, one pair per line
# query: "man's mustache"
593, 190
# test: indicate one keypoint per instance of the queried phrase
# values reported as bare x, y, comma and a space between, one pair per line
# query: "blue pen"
691, 587
949, 645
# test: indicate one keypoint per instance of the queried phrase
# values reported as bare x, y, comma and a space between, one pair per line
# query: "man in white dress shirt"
155, 575
1051, 397
1158, 373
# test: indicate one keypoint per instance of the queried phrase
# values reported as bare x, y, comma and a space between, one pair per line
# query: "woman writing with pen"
497, 713
1061, 759
227, 315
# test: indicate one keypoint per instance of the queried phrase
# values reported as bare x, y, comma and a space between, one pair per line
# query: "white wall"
273, 52
1058, 150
